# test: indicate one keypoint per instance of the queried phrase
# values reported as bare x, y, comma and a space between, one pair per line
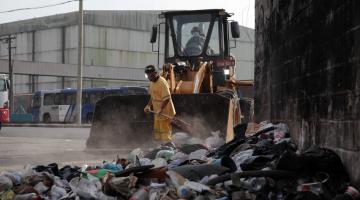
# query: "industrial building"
116, 49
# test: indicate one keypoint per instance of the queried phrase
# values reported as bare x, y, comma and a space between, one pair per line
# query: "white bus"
4, 99
59, 105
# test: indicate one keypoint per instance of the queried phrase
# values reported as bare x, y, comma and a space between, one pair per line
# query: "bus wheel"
89, 117
0, 125
47, 118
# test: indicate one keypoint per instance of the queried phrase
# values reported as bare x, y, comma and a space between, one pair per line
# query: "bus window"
60, 99
2, 85
7, 85
85, 99
49, 99
70, 99
114, 92
137, 91
96, 96
110, 93
131, 91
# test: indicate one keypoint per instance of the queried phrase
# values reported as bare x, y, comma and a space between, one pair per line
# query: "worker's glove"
147, 109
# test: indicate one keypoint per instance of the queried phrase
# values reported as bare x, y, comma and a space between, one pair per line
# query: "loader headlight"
226, 71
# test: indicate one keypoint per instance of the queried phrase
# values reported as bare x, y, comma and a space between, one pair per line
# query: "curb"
48, 125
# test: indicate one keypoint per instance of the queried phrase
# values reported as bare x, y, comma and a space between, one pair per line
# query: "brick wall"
307, 72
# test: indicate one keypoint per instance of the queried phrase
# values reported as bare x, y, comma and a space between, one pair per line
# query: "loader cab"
193, 34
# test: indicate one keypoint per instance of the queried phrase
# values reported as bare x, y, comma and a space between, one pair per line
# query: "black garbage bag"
227, 148
303, 196
256, 162
68, 172
188, 148
267, 147
197, 172
52, 168
315, 160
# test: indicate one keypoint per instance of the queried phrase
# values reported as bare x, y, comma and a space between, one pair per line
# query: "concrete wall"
307, 72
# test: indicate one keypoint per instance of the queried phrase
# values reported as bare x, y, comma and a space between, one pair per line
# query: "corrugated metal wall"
112, 39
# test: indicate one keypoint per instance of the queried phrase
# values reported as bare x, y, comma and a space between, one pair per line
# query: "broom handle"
167, 116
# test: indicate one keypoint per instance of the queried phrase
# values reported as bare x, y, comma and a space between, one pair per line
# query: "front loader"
201, 74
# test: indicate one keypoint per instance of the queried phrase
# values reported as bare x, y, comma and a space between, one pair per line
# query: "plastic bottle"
314, 187
258, 183
25, 196
254, 184
178, 181
141, 194
184, 192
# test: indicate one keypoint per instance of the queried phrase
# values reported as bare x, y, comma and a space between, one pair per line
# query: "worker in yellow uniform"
160, 103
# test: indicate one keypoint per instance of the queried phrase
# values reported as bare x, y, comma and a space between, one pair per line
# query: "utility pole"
80, 64
11, 77
9, 40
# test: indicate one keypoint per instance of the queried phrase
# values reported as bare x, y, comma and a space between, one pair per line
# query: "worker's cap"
195, 29
150, 69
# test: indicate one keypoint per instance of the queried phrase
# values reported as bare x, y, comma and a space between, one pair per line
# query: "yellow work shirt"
160, 92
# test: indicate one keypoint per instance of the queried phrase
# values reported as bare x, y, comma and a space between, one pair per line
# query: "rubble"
262, 165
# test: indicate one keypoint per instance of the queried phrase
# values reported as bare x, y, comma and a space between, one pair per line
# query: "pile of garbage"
263, 165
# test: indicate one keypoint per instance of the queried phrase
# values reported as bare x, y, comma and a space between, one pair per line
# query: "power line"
38, 7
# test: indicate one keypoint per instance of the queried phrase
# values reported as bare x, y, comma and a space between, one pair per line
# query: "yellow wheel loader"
201, 74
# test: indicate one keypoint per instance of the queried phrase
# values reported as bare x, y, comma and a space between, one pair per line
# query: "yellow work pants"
162, 129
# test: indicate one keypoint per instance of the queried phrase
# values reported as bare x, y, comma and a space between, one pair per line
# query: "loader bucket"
119, 121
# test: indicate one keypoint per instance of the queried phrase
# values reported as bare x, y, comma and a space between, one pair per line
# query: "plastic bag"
242, 156
119, 184
199, 155
16, 177
60, 183
102, 196
7, 195
198, 187
83, 188
166, 154
25, 196
159, 162
113, 167
57, 192
5, 183
145, 161
135, 155
40, 188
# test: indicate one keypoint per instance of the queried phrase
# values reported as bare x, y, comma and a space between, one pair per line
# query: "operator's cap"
150, 69
195, 29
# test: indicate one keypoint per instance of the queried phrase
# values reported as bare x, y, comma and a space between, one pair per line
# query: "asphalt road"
20, 146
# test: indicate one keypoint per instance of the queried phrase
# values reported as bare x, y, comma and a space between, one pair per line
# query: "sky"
244, 10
